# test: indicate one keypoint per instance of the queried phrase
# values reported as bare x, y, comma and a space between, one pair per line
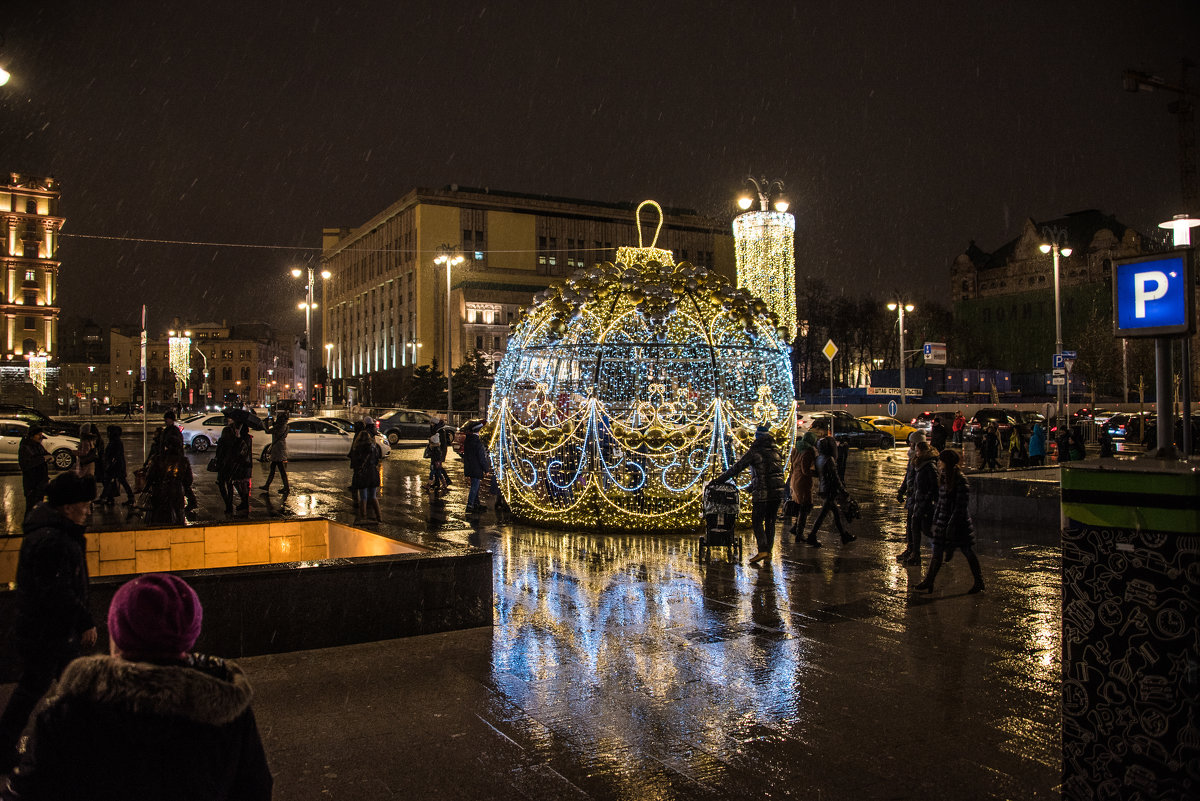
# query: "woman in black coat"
476, 464
830, 488
115, 469
952, 526
365, 456
235, 462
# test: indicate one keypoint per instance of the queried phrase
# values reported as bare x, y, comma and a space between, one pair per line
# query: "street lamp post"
1056, 243
900, 308
448, 256
328, 368
204, 383
308, 305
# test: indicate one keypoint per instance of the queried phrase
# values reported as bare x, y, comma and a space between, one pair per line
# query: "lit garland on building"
630, 385
180, 354
764, 242
37, 371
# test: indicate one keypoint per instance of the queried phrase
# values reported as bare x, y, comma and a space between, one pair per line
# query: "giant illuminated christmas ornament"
627, 387
764, 242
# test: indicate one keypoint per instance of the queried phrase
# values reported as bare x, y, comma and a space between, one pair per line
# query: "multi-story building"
243, 362
1004, 310
385, 306
29, 285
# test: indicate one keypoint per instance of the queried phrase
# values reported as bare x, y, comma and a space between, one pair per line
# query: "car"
202, 433
406, 424
16, 411
852, 431
805, 420
924, 421
62, 448
319, 438
346, 425
1177, 435
1127, 426
1006, 420
891, 425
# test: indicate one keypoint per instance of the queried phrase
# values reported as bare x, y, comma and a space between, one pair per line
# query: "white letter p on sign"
1141, 294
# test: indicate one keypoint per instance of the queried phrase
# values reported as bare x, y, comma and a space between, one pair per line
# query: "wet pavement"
622, 667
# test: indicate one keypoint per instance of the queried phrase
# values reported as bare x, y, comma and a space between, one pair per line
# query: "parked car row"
849, 429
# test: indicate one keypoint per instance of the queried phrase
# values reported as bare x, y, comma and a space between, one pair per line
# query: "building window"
30, 275
29, 298
510, 317
227, 354
479, 255
227, 373
471, 315
245, 373
478, 343
30, 323
495, 343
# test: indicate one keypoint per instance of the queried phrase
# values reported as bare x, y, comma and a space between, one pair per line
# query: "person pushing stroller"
766, 488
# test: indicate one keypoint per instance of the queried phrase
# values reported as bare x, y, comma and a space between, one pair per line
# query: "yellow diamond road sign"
830, 350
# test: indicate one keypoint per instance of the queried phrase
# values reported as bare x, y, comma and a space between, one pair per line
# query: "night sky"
902, 131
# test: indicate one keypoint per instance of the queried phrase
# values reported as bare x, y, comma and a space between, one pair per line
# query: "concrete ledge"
274, 608
1029, 499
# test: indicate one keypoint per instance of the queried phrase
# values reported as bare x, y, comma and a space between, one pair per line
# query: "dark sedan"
855, 433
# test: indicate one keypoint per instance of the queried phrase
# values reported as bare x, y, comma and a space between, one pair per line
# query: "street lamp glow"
900, 308
4, 76
1056, 243
745, 202
326, 274
1181, 229
781, 206
295, 272
448, 257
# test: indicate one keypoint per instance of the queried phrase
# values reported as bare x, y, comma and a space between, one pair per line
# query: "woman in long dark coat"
279, 453
115, 469
169, 477
235, 462
365, 456
952, 526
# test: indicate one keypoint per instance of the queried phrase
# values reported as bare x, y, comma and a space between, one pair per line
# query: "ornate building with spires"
1004, 300
29, 290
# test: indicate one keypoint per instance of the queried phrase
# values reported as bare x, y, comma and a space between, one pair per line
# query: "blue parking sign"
1154, 296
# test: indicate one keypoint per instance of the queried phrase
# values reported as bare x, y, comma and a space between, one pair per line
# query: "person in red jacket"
957, 427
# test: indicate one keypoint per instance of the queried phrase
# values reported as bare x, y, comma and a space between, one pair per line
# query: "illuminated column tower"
764, 242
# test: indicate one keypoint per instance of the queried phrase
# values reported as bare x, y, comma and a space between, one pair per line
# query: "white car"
385, 447
13, 431
315, 438
202, 432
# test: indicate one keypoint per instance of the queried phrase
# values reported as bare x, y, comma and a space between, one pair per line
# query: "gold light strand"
37, 371
764, 243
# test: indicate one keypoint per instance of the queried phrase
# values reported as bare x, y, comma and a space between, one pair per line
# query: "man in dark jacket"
830, 489
938, 434
766, 488
53, 622
150, 721
34, 462
476, 464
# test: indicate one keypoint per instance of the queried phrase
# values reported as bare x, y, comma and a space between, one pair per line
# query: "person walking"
52, 619
235, 460
87, 455
766, 488
439, 445
150, 719
958, 426
952, 526
991, 448
904, 494
938, 434
476, 464
801, 472
830, 488
1037, 445
1106, 444
115, 469
34, 461
128, 411
169, 477
1062, 444
279, 454
922, 500
365, 456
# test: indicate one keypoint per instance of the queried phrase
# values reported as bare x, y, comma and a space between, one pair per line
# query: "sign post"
830, 350
1153, 296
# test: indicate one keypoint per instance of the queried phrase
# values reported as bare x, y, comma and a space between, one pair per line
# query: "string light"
764, 243
629, 385
37, 371
180, 355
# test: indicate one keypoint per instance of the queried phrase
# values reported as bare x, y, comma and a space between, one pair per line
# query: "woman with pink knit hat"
149, 721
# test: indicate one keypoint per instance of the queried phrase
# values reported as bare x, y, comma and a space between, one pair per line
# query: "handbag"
428, 452
212, 465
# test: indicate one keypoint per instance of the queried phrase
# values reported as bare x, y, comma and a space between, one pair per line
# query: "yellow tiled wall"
112, 553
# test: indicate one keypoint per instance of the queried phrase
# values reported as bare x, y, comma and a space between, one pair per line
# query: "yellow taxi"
898, 430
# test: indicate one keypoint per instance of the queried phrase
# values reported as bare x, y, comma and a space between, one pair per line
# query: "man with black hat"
53, 622
766, 488
34, 461
151, 720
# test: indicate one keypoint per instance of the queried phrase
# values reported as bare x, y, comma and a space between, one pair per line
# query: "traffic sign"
1060, 371
1056, 361
1069, 363
1069, 354
830, 350
1153, 295
892, 407
1058, 380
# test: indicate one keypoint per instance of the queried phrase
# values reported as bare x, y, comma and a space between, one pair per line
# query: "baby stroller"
720, 517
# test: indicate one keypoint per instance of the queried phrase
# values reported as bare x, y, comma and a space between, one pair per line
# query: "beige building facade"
385, 304
28, 296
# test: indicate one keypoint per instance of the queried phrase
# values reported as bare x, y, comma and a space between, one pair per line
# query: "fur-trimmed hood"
920, 460
207, 690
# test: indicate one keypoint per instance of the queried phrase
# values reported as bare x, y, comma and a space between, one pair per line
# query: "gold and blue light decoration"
628, 386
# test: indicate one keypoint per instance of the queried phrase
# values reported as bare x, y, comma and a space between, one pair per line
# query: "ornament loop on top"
637, 217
